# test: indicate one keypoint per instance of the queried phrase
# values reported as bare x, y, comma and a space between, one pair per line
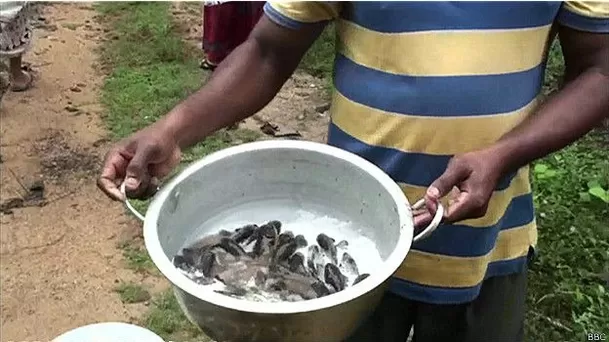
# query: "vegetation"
151, 69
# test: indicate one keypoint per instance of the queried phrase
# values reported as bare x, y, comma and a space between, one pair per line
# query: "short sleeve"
589, 16
295, 14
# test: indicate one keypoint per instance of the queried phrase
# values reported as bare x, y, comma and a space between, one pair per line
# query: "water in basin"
307, 220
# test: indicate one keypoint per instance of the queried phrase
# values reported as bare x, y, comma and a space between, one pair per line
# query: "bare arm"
572, 112
245, 82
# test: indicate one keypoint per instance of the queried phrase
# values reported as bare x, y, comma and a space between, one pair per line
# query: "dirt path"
59, 262
301, 105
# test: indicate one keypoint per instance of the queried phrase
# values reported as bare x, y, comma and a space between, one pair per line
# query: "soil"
59, 256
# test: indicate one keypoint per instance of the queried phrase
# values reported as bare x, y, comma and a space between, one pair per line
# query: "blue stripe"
582, 23
411, 168
442, 96
467, 241
394, 17
443, 295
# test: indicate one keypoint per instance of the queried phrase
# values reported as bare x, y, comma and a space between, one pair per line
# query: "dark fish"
284, 252
268, 231
206, 263
284, 238
296, 264
348, 265
275, 224
262, 246
327, 245
293, 283
360, 278
334, 278
180, 262
191, 256
244, 233
321, 290
232, 247
301, 241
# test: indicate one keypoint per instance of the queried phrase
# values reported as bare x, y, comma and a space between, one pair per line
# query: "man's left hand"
470, 179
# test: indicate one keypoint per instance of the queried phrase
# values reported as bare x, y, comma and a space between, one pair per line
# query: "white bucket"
109, 332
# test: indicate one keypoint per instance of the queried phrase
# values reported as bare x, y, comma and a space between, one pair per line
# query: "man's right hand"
140, 161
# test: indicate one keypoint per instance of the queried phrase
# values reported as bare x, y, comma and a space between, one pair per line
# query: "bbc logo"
596, 337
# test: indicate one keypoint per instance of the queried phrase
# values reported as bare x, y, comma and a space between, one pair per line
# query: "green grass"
151, 69
319, 60
166, 319
131, 293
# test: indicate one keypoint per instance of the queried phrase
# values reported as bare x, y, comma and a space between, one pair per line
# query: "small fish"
180, 262
334, 278
242, 234
360, 278
296, 264
285, 251
342, 244
301, 241
320, 289
231, 247
275, 224
284, 238
348, 265
206, 263
327, 245
316, 261
268, 231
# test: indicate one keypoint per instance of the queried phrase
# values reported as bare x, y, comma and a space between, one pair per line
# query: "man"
443, 97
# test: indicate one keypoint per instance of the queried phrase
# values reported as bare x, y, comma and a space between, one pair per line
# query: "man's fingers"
110, 189
455, 173
137, 178
112, 173
467, 205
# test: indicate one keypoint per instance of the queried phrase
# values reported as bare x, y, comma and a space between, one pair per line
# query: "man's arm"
245, 82
572, 112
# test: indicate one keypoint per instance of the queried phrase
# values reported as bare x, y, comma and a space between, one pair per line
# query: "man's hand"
139, 161
469, 180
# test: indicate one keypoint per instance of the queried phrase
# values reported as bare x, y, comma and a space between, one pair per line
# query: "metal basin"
268, 180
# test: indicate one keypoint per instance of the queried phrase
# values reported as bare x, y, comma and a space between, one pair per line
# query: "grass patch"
166, 319
319, 60
131, 293
138, 260
569, 281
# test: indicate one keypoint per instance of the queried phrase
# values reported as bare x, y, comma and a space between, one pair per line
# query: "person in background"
445, 98
15, 39
225, 26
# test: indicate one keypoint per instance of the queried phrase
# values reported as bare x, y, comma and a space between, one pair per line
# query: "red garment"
227, 25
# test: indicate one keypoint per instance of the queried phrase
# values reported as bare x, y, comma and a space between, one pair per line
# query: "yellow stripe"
430, 135
497, 204
444, 53
307, 11
592, 9
448, 271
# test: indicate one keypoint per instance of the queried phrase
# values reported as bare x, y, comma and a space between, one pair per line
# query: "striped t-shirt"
418, 82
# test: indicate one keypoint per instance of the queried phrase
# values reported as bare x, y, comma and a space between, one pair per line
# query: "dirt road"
59, 261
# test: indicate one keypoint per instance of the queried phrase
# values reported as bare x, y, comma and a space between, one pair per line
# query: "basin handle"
433, 225
129, 206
